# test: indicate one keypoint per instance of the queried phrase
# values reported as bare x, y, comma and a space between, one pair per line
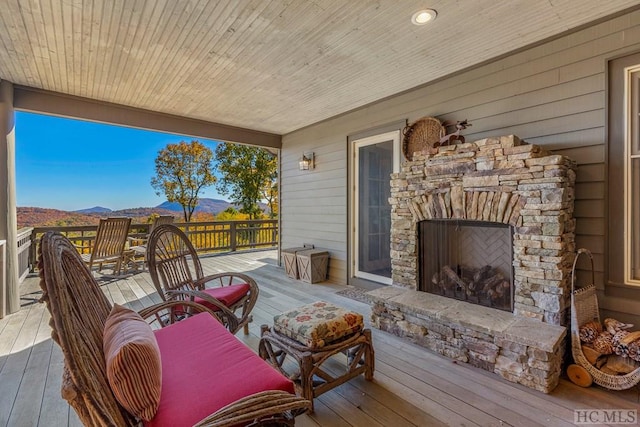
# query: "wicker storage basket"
584, 308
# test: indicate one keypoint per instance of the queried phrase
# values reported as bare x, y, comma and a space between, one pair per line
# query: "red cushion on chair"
204, 368
228, 295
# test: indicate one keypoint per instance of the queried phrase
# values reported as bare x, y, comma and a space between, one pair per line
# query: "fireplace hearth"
482, 243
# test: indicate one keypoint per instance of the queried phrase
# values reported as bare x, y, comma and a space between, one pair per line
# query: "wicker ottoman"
310, 335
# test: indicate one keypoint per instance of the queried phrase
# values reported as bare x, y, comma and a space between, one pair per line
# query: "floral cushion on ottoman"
318, 324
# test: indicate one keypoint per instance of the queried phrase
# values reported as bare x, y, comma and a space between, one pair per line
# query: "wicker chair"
79, 310
177, 274
108, 246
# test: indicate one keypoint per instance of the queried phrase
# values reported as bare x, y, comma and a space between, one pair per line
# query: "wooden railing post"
232, 236
252, 234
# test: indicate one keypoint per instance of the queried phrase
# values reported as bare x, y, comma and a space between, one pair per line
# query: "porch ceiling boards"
268, 65
411, 386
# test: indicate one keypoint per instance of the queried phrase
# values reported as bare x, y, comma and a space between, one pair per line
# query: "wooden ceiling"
268, 65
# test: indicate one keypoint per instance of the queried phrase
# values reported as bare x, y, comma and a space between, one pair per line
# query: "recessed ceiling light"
423, 16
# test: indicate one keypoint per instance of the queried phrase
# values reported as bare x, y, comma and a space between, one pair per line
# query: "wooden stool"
310, 335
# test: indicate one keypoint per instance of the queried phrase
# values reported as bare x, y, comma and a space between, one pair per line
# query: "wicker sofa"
201, 374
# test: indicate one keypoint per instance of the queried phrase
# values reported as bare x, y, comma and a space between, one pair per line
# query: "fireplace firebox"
467, 260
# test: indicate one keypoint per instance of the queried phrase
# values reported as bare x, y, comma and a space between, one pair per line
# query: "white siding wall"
552, 95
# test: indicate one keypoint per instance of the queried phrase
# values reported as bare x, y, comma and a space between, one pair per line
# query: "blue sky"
70, 164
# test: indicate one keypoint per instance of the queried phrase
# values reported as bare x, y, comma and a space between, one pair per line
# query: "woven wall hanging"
425, 133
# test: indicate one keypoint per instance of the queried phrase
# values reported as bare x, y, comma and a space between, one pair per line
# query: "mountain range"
34, 216
213, 206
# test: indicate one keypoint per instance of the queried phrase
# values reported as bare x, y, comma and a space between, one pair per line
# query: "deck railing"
206, 237
24, 246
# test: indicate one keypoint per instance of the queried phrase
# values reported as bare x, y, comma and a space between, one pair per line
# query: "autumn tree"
248, 175
231, 214
270, 194
182, 170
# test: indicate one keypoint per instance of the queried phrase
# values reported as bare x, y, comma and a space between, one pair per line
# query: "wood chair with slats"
177, 273
108, 246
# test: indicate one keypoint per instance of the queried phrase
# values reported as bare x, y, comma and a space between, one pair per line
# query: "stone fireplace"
482, 242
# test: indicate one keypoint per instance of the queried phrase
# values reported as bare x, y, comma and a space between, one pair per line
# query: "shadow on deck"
411, 387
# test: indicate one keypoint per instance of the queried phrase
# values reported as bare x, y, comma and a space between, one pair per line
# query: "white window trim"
628, 226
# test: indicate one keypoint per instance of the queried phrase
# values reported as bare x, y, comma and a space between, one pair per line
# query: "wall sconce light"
307, 162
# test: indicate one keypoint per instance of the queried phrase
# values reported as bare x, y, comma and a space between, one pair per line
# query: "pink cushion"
205, 367
228, 295
133, 362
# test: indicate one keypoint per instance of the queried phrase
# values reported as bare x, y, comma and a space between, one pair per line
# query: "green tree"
182, 170
248, 175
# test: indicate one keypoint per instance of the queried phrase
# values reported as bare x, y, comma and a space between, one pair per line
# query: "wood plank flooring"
412, 386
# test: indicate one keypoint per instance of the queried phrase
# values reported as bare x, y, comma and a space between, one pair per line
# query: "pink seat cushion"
228, 295
204, 367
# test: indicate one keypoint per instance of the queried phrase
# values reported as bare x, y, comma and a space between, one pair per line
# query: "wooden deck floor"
412, 386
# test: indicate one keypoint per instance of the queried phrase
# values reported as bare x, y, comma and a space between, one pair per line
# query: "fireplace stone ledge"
521, 350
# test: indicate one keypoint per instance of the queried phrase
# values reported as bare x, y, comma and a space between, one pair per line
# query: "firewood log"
454, 278
608, 370
491, 282
467, 273
482, 274
472, 286
628, 339
591, 354
613, 326
435, 279
604, 343
502, 287
601, 361
621, 365
590, 331
634, 350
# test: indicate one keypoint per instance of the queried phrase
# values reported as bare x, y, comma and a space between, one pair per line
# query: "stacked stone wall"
522, 350
501, 180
